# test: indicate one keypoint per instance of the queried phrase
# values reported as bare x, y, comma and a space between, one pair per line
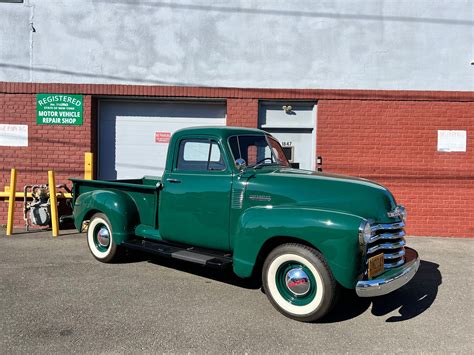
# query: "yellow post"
11, 202
88, 166
54, 205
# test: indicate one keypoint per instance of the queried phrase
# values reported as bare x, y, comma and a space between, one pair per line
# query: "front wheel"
298, 282
100, 240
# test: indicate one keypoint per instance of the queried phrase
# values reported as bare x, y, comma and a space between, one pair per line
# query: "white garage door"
133, 135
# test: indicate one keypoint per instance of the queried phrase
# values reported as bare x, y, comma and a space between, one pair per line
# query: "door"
133, 135
294, 125
194, 202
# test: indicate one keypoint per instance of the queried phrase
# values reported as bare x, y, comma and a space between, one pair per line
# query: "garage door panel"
183, 110
131, 130
128, 147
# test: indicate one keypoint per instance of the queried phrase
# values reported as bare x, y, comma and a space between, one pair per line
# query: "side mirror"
240, 164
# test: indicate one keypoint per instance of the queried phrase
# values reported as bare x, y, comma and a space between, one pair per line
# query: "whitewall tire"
100, 239
298, 282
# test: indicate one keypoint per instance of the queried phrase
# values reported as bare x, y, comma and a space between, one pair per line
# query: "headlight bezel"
403, 214
365, 233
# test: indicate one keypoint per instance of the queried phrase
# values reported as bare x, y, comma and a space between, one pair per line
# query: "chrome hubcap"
297, 282
103, 237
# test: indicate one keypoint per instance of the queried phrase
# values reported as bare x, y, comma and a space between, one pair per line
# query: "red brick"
397, 148
386, 136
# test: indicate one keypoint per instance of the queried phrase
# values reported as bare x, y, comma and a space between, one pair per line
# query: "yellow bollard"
11, 202
88, 166
54, 205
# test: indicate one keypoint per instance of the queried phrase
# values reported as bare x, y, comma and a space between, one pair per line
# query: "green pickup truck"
228, 198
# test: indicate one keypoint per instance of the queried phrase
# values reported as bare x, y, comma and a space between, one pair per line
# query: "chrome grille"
389, 240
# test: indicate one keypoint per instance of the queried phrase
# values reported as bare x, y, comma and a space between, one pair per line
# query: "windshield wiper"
259, 165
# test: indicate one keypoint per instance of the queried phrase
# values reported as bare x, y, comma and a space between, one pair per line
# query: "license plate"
376, 265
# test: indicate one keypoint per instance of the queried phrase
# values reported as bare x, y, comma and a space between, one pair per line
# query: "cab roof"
220, 131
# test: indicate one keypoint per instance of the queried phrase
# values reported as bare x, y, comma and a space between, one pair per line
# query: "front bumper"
392, 279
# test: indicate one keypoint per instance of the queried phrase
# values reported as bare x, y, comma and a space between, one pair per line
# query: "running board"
205, 257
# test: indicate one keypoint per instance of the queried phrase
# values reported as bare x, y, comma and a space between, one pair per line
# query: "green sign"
62, 109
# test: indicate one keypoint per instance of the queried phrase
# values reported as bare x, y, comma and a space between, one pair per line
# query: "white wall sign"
452, 141
14, 135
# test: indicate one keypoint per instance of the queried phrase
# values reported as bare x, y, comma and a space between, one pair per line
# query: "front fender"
116, 205
333, 233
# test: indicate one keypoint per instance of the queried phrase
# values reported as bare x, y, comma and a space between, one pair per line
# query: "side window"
216, 160
199, 154
195, 151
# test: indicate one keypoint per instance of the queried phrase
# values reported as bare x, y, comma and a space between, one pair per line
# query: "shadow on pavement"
348, 306
411, 300
225, 276
39, 232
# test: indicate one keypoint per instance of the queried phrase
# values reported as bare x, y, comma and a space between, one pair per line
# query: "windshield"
258, 150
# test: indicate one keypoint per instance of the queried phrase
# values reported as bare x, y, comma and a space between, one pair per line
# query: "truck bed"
144, 192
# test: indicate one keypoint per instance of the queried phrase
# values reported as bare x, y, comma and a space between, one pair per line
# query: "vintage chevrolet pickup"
229, 198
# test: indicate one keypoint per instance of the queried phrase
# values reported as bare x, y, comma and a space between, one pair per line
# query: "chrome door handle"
174, 181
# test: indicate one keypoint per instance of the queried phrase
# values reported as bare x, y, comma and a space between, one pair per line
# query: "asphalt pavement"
56, 298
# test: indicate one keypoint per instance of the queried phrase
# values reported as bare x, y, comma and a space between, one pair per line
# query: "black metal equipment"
38, 211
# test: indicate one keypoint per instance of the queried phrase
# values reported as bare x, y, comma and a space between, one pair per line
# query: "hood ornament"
398, 211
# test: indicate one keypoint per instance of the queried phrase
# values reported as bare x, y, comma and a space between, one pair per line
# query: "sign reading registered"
61, 109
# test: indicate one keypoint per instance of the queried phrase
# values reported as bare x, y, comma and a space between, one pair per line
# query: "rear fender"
333, 233
116, 205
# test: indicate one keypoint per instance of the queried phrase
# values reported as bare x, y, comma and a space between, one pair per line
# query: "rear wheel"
298, 282
100, 240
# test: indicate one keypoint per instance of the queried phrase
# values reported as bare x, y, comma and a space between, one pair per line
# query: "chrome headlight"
365, 233
403, 213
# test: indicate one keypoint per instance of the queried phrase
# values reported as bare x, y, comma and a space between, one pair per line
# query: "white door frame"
314, 121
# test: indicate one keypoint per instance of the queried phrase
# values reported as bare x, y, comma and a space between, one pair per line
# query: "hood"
285, 186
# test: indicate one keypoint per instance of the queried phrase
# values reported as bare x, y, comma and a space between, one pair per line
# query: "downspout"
32, 30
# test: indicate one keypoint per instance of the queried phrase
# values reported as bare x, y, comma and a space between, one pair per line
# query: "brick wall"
386, 136
395, 143
58, 148
242, 112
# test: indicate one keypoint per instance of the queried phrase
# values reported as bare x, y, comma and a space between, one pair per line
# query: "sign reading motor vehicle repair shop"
60, 109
